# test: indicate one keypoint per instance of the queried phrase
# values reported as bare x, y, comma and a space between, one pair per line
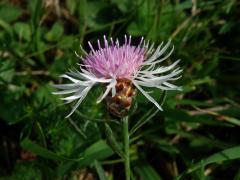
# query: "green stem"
126, 147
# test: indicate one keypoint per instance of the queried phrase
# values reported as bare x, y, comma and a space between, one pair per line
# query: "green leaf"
237, 176
9, 12
100, 170
98, 151
23, 30
66, 42
225, 155
82, 17
64, 168
228, 154
6, 72
145, 19
71, 5
41, 133
91, 13
6, 27
45, 153
35, 7
147, 172
55, 34
23, 170
112, 141
149, 115
226, 27
166, 146
123, 5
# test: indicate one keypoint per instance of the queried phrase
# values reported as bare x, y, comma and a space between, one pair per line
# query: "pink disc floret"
114, 60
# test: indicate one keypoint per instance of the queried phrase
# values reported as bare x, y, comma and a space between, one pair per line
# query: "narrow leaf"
100, 170
149, 115
40, 151
112, 141
228, 154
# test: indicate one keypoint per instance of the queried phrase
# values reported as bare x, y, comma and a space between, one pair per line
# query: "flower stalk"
126, 147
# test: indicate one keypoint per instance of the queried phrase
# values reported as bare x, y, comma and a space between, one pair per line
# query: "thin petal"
70, 78
158, 52
147, 96
162, 59
85, 92
65, 91
77, 95
160, 69
66, 86
109, 87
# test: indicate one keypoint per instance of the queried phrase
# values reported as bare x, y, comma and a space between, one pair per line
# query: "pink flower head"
139, 64
115, 61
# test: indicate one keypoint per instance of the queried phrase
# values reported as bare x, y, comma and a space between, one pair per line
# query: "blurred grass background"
195, 137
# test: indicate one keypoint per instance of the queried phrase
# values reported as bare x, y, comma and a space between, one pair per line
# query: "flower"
106, 65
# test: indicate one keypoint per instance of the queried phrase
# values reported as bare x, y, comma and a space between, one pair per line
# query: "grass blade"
100, 170
148, 116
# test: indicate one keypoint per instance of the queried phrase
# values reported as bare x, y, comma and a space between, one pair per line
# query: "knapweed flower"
114, 65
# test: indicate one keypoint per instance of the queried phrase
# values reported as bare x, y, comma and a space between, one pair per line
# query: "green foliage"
195, 137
